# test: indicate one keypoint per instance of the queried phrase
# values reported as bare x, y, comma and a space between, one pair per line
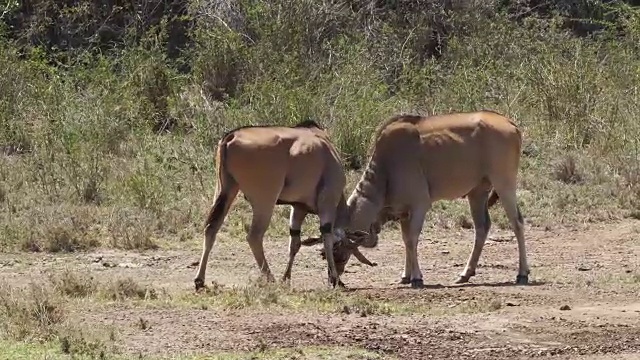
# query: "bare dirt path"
593, 270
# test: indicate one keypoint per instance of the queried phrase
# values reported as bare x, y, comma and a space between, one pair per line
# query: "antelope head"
347, 244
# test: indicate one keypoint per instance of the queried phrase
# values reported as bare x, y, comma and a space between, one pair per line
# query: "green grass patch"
28, 351
310, 353
69, 286
52, 350
276, 297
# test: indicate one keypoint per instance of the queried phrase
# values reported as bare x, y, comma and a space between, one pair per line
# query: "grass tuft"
127, 288
32, 313
73, 284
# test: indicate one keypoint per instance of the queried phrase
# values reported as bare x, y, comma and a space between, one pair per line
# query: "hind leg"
482, 224
217, 215
406, 273
296, 218
510, 205
327, 203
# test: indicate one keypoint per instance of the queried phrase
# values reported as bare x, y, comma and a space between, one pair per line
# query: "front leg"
411, 228
326, 231
406, 273
296, 218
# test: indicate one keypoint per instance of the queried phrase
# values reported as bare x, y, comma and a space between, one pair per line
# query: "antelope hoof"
199, 283
405, 280
463, 279
417, 284
522, 279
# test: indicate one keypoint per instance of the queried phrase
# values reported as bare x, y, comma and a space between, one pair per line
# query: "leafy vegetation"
109, 115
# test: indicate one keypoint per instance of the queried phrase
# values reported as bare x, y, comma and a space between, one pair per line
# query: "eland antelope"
416, 160
274, 165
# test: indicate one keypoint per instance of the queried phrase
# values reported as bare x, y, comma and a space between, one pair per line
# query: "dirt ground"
593, 270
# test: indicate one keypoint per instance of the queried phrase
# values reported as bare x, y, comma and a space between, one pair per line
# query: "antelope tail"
217, 210
493, 198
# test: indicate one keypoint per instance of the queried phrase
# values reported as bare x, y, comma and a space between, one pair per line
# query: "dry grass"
127, 288
68, 284
87, 169
73, 284
33, 313
39, 314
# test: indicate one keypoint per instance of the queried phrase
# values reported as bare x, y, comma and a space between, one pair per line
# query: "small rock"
194, 264
509, 303
108, 264
346, 310
628, 271
565, 307
501, 239
129, 265
584, 268
444, 252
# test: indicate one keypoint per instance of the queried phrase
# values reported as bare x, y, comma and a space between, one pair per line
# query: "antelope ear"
311, 241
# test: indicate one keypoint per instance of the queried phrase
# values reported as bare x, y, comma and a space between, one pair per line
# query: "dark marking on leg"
417, 283
199, 284
326, 228
294, 232
522, 279
333, 282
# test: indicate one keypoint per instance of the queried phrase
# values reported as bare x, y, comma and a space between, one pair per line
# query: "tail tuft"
217, 210
493, 198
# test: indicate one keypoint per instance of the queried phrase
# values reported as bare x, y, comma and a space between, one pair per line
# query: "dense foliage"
110, 110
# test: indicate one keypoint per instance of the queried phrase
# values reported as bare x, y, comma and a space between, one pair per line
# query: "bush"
115, 139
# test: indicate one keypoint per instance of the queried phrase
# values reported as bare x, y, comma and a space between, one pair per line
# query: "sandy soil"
592, 269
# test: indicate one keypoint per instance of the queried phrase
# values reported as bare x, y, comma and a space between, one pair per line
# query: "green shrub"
117, 141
